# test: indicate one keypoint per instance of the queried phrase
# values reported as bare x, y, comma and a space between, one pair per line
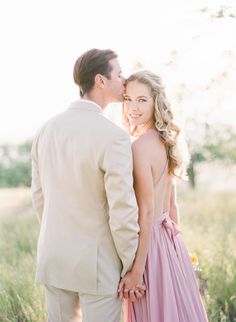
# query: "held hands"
131, 287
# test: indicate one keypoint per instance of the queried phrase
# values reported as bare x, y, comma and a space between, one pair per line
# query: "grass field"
208, 228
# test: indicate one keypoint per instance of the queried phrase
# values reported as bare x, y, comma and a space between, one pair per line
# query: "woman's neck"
143, 128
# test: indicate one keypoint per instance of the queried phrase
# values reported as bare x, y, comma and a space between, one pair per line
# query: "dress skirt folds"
172, 293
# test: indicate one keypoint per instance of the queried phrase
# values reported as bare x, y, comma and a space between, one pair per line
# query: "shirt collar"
86, 105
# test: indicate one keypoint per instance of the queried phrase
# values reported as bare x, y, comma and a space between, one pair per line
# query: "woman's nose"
133, 106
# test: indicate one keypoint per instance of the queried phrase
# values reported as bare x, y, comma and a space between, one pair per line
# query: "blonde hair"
167, 129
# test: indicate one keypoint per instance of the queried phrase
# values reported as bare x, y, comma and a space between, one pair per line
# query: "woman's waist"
158, 219
167, 223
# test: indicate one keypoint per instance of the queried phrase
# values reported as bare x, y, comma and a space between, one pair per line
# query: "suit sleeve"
36, 189
123, 212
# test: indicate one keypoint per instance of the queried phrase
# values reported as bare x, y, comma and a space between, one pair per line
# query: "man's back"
82, 191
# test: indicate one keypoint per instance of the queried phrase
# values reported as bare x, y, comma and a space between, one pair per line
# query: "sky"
183, 41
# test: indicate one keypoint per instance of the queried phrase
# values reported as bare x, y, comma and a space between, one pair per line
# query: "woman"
162, 259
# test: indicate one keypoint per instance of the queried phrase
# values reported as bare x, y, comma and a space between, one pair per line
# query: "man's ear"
99, 81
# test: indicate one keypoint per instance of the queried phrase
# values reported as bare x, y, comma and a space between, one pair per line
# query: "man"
82, 192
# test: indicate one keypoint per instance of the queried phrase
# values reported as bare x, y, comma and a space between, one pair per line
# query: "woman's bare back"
150, 153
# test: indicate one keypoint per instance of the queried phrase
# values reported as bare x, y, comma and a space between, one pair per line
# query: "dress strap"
163, 172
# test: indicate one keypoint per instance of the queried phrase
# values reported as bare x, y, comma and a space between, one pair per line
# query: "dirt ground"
15, 201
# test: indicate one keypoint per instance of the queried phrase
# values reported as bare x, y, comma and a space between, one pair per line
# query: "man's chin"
120, 99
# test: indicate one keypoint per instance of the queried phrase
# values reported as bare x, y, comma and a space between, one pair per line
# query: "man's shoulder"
112, 127
47, 122
112, 133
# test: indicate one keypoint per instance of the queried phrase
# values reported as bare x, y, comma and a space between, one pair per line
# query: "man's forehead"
115, 64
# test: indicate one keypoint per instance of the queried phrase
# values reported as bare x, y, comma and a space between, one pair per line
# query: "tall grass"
208, 227
20, 298
209, 230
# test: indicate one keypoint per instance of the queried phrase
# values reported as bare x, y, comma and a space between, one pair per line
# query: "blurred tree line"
15, 165
206, 144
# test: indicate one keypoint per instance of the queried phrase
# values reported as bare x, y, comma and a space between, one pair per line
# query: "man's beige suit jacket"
82, 192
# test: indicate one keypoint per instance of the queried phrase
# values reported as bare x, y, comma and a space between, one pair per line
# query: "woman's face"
138, 103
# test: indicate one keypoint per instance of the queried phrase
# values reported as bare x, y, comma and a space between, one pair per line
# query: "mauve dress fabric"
172, 293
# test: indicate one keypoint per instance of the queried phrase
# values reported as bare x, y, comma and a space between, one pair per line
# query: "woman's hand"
131, 287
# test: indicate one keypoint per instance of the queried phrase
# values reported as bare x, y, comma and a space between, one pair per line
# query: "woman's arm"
143, 186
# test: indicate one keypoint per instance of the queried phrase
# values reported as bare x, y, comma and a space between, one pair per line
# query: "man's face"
114, 87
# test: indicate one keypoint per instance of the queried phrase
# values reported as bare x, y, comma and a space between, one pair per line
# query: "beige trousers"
68, 306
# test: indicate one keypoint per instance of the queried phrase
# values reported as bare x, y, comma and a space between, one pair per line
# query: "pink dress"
172, 293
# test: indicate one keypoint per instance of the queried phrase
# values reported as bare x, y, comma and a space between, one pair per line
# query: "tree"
211, 143
15, 165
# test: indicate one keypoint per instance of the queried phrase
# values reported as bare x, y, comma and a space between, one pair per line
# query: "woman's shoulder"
149, 147
147, 140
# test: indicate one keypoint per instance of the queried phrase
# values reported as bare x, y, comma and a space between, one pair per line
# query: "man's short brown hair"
91, 63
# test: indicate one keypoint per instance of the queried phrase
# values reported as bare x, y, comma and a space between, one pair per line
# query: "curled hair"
164, 122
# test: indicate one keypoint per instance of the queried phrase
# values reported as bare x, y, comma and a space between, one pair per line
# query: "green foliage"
15, 165
207, 143
208, 229
212, 143
220, 143
20, 298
